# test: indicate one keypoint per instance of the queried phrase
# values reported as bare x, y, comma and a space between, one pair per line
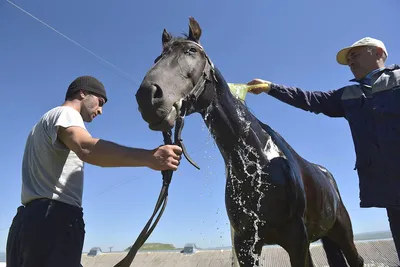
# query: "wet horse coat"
273, 195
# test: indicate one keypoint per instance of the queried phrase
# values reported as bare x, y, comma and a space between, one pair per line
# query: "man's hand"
258, 86
165, 157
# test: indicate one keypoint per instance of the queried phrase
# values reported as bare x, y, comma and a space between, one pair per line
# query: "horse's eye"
192, 50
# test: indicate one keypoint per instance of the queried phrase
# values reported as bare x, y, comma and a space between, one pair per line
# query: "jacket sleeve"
328, 103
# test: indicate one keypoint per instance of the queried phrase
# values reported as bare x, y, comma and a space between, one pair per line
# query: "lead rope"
163, 197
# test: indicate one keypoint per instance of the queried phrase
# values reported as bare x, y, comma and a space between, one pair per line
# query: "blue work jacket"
373, 113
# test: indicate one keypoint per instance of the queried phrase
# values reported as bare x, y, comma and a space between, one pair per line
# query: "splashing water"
208, 172
238, 199
208, 189
249, 162
241, 114
207, 113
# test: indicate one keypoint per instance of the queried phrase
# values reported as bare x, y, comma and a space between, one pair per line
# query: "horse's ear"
166, 37
194, 30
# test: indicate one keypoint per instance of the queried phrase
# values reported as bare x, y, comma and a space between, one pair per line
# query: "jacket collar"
367, 79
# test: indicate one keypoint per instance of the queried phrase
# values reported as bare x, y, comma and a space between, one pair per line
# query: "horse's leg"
333, 253
248, 253
295, 242
342, 234
310, 261
235, 262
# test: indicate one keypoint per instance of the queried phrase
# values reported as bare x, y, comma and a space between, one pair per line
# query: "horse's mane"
177, 38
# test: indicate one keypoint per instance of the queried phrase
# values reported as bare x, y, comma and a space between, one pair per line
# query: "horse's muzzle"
159, 114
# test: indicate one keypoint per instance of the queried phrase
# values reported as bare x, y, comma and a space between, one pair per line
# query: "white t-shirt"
49, 168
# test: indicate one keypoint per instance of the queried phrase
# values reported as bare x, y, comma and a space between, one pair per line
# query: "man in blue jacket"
372, 108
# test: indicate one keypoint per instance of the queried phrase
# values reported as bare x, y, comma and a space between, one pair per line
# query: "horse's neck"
230, 122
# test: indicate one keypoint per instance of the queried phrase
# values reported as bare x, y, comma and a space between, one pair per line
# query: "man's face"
91, 106
363, 59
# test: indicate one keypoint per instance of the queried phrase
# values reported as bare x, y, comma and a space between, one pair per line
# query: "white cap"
341, 56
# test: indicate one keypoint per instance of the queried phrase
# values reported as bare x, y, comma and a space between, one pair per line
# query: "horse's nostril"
158, 92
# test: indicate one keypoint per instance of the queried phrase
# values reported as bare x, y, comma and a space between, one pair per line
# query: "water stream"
254, 171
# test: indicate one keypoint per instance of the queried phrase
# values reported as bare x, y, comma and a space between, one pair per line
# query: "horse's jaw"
165, 123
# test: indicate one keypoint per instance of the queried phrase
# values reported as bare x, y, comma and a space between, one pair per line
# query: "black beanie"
87, 83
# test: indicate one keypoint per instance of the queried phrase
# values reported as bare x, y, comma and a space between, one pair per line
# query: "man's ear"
82, 94
380, 54
377, 51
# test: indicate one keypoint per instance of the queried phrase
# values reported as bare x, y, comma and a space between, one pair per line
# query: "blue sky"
288, 42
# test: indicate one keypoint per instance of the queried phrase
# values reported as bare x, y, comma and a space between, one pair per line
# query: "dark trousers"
394, 222
46, 233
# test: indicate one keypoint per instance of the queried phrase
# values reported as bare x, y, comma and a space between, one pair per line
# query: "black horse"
273, 195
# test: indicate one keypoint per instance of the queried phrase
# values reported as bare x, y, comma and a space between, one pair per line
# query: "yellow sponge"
239, 90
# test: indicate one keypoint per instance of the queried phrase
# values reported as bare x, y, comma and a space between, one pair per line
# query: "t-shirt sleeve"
67, 117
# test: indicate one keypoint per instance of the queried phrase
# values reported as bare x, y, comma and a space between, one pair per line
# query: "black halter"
208, 75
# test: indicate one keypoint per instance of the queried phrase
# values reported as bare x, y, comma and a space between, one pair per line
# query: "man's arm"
328, 103
108, 154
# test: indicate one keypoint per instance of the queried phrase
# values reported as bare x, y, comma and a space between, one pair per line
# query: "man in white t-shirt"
48, 229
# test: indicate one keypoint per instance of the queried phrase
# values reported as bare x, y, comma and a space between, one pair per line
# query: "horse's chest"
246, 193
256, 187
252, 199
247, 182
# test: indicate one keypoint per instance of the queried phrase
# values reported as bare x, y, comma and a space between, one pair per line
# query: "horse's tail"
333, 253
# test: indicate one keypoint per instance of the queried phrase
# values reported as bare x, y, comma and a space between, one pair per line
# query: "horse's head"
175, 81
